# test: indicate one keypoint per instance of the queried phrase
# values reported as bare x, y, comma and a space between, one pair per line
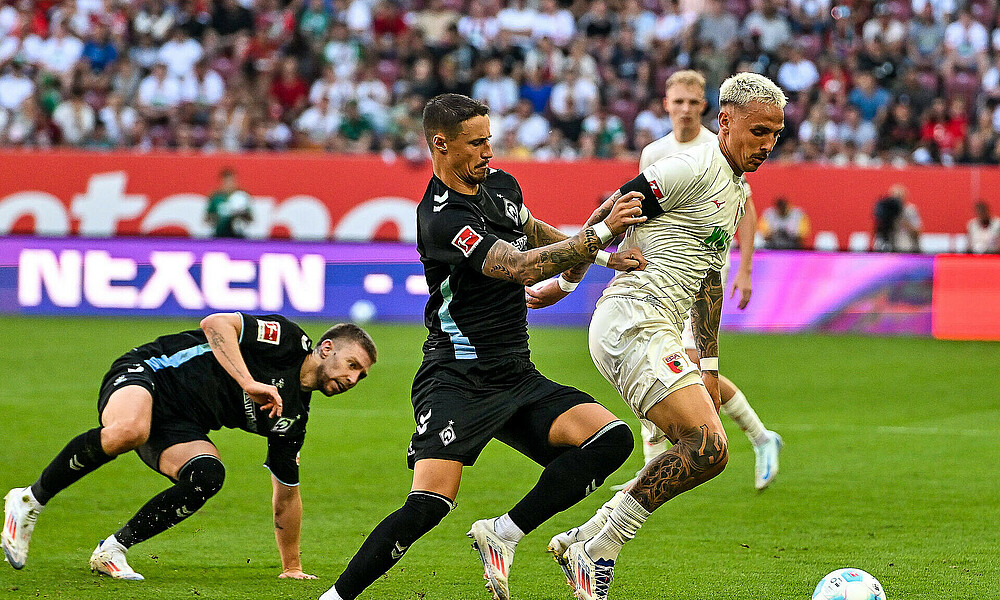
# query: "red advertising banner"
966, 298
314, 196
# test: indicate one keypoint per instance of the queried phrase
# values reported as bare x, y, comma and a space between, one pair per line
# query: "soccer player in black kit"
255, 373
480, 246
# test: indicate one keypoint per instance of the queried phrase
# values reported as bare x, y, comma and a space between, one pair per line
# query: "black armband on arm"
650, 201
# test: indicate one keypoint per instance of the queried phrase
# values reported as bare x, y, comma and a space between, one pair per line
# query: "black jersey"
191, 384
468, 314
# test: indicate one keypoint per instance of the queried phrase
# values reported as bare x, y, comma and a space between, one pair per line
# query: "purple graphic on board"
793, 291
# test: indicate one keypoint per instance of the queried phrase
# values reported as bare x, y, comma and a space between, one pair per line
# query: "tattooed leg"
700, 452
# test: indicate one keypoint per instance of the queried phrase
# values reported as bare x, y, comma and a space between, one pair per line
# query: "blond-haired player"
685, 103
693, 200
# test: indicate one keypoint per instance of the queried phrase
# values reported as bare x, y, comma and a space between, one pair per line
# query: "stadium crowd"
870, 83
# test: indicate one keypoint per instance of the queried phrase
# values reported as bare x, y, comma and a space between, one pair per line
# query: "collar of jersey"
726, 167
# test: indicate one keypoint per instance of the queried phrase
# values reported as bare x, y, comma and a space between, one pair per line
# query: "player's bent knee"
123, 437
205, 473
615, 443
708, 452
424, 511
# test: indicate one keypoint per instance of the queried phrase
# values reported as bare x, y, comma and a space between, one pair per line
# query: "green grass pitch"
890, 465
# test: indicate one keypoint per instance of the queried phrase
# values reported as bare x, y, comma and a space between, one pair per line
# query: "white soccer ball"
849, 584
362, 311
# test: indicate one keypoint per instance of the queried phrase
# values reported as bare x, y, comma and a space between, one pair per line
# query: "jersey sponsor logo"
284, 424
448, 433
269, 332
278, 383
466, 240
718, 240
521, 243
440, 201
657, 193
422, 422
674, 362
718, 203
250, 410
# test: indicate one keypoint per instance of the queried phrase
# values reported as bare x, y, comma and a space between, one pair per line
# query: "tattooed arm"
504, 261
223, 333
706, 314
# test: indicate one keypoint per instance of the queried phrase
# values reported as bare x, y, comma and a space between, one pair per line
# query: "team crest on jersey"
284, 424
448, 433
269, 332
674, 362
466, 240
511, 210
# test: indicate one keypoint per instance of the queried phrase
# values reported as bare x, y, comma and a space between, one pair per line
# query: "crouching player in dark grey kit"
161, 400
480, 246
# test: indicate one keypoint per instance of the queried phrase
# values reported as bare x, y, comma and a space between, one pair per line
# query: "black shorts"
166, 428
460, 405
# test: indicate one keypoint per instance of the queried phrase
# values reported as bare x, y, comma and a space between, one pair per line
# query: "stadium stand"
871, 83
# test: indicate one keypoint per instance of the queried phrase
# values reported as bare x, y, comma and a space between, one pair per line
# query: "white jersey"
668, 144
702, 201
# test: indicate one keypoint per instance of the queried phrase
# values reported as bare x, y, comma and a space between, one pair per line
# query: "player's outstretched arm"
706, 315
504, 261
287, 529
223, 333
746, 231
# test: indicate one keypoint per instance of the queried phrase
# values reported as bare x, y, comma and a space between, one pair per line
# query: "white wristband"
567, 286
602, 258
709, 364
603, 232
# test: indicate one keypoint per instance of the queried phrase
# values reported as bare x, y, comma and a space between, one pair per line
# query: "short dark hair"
227, 172
446, 113
353, 333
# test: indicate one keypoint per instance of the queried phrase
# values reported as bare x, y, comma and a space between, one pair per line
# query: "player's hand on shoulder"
544, 294
265, 395
627, 260
626, 212
295, 574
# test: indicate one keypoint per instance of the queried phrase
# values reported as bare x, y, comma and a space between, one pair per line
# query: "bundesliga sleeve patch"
466, 240
656, 189
269, 332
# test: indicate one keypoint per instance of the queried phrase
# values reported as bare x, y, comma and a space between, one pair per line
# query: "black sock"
390, 539
83, 454
573, 475
197, 481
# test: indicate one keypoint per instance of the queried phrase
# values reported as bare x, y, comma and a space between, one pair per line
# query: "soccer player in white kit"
694, 200
685, 102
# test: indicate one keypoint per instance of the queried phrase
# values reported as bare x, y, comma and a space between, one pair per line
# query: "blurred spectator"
870, 99
355, 133
119, 121
180, 53
607, 130
784, 227
885, 29
200, 92
535, 90
798, 73
498, 91
229, 210
229, 18
317, 124
59, 53
768, 26
98, 51
15, 86
984, 231
899, 130
965, 43
518, 19
926, 37
716, 27
159, 96
553, 22
861, 133
478, 27
528, 128
897, 223
654, 120
288, 90
75, 119
433, 22
154, 20
598, 21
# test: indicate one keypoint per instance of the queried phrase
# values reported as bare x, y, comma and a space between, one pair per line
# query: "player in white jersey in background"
694, 200
685, 103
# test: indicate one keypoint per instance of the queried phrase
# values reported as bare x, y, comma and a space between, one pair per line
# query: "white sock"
739, 410
596, 522
624, 521
33, 500
331, 594
651, 451
113, 541
507, 529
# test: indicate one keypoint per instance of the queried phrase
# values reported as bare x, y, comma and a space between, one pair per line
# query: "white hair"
743, 88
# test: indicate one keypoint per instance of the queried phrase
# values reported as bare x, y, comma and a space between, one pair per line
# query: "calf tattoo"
697, 456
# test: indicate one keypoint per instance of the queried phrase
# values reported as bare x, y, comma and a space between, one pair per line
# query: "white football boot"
558, 546
20, 511
497, 555
591, 578
109, 559
766, 464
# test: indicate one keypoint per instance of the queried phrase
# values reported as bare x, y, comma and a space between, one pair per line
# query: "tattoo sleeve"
504, 261
698, 455
706, 314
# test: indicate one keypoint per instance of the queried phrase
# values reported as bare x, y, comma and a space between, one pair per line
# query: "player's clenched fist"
626, 212
627, 260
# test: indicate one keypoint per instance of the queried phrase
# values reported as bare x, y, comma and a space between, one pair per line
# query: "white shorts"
640, 353
687, 336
